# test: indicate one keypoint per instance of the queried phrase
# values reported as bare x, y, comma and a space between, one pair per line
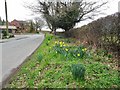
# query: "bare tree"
66, 14
39, 23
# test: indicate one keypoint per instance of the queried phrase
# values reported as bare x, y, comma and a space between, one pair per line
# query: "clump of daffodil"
78, 54
84, 49
61, 44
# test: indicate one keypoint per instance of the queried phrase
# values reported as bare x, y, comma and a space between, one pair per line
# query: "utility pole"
119, 6
6, 18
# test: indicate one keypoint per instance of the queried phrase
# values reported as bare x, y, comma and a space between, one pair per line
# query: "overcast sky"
16, 9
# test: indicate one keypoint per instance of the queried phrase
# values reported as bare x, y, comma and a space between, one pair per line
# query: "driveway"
15, 51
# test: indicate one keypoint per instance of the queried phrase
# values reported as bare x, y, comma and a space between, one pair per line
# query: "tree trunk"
67, 33
54, 31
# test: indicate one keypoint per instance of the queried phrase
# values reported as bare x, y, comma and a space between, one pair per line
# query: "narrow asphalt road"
15, 51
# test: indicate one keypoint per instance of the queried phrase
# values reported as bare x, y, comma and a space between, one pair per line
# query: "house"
15, 23
11, 29
20, 25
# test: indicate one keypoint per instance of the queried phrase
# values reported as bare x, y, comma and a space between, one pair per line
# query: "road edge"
5, 82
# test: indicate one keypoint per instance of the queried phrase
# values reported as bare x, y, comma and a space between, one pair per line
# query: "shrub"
11, 35
4, 33
78, 71
102, 33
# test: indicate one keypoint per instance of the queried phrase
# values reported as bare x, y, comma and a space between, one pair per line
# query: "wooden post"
6, 18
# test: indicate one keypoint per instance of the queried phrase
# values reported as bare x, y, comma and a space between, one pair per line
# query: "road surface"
15, 51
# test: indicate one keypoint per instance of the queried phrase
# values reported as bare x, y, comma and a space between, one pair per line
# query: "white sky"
16, 9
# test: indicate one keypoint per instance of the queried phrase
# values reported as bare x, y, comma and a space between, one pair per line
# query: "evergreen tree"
3, 22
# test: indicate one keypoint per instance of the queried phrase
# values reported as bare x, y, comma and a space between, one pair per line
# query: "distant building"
15, 23
11, 29
21, 25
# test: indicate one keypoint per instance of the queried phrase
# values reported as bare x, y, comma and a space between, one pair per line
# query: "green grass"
50, 69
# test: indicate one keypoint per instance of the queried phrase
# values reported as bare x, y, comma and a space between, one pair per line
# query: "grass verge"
50, 67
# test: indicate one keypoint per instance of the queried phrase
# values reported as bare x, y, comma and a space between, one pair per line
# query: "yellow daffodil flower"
56, 42
78, 55
84, 49
61, 43
66, 49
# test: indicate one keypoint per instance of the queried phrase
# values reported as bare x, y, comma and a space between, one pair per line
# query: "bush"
4, 33
78, 71
11, 35
37, 32
102, 33
4, 36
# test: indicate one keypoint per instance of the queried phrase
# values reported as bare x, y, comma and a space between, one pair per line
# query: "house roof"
9, 27
15, 23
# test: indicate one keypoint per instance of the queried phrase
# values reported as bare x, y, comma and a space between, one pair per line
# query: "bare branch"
65, 14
